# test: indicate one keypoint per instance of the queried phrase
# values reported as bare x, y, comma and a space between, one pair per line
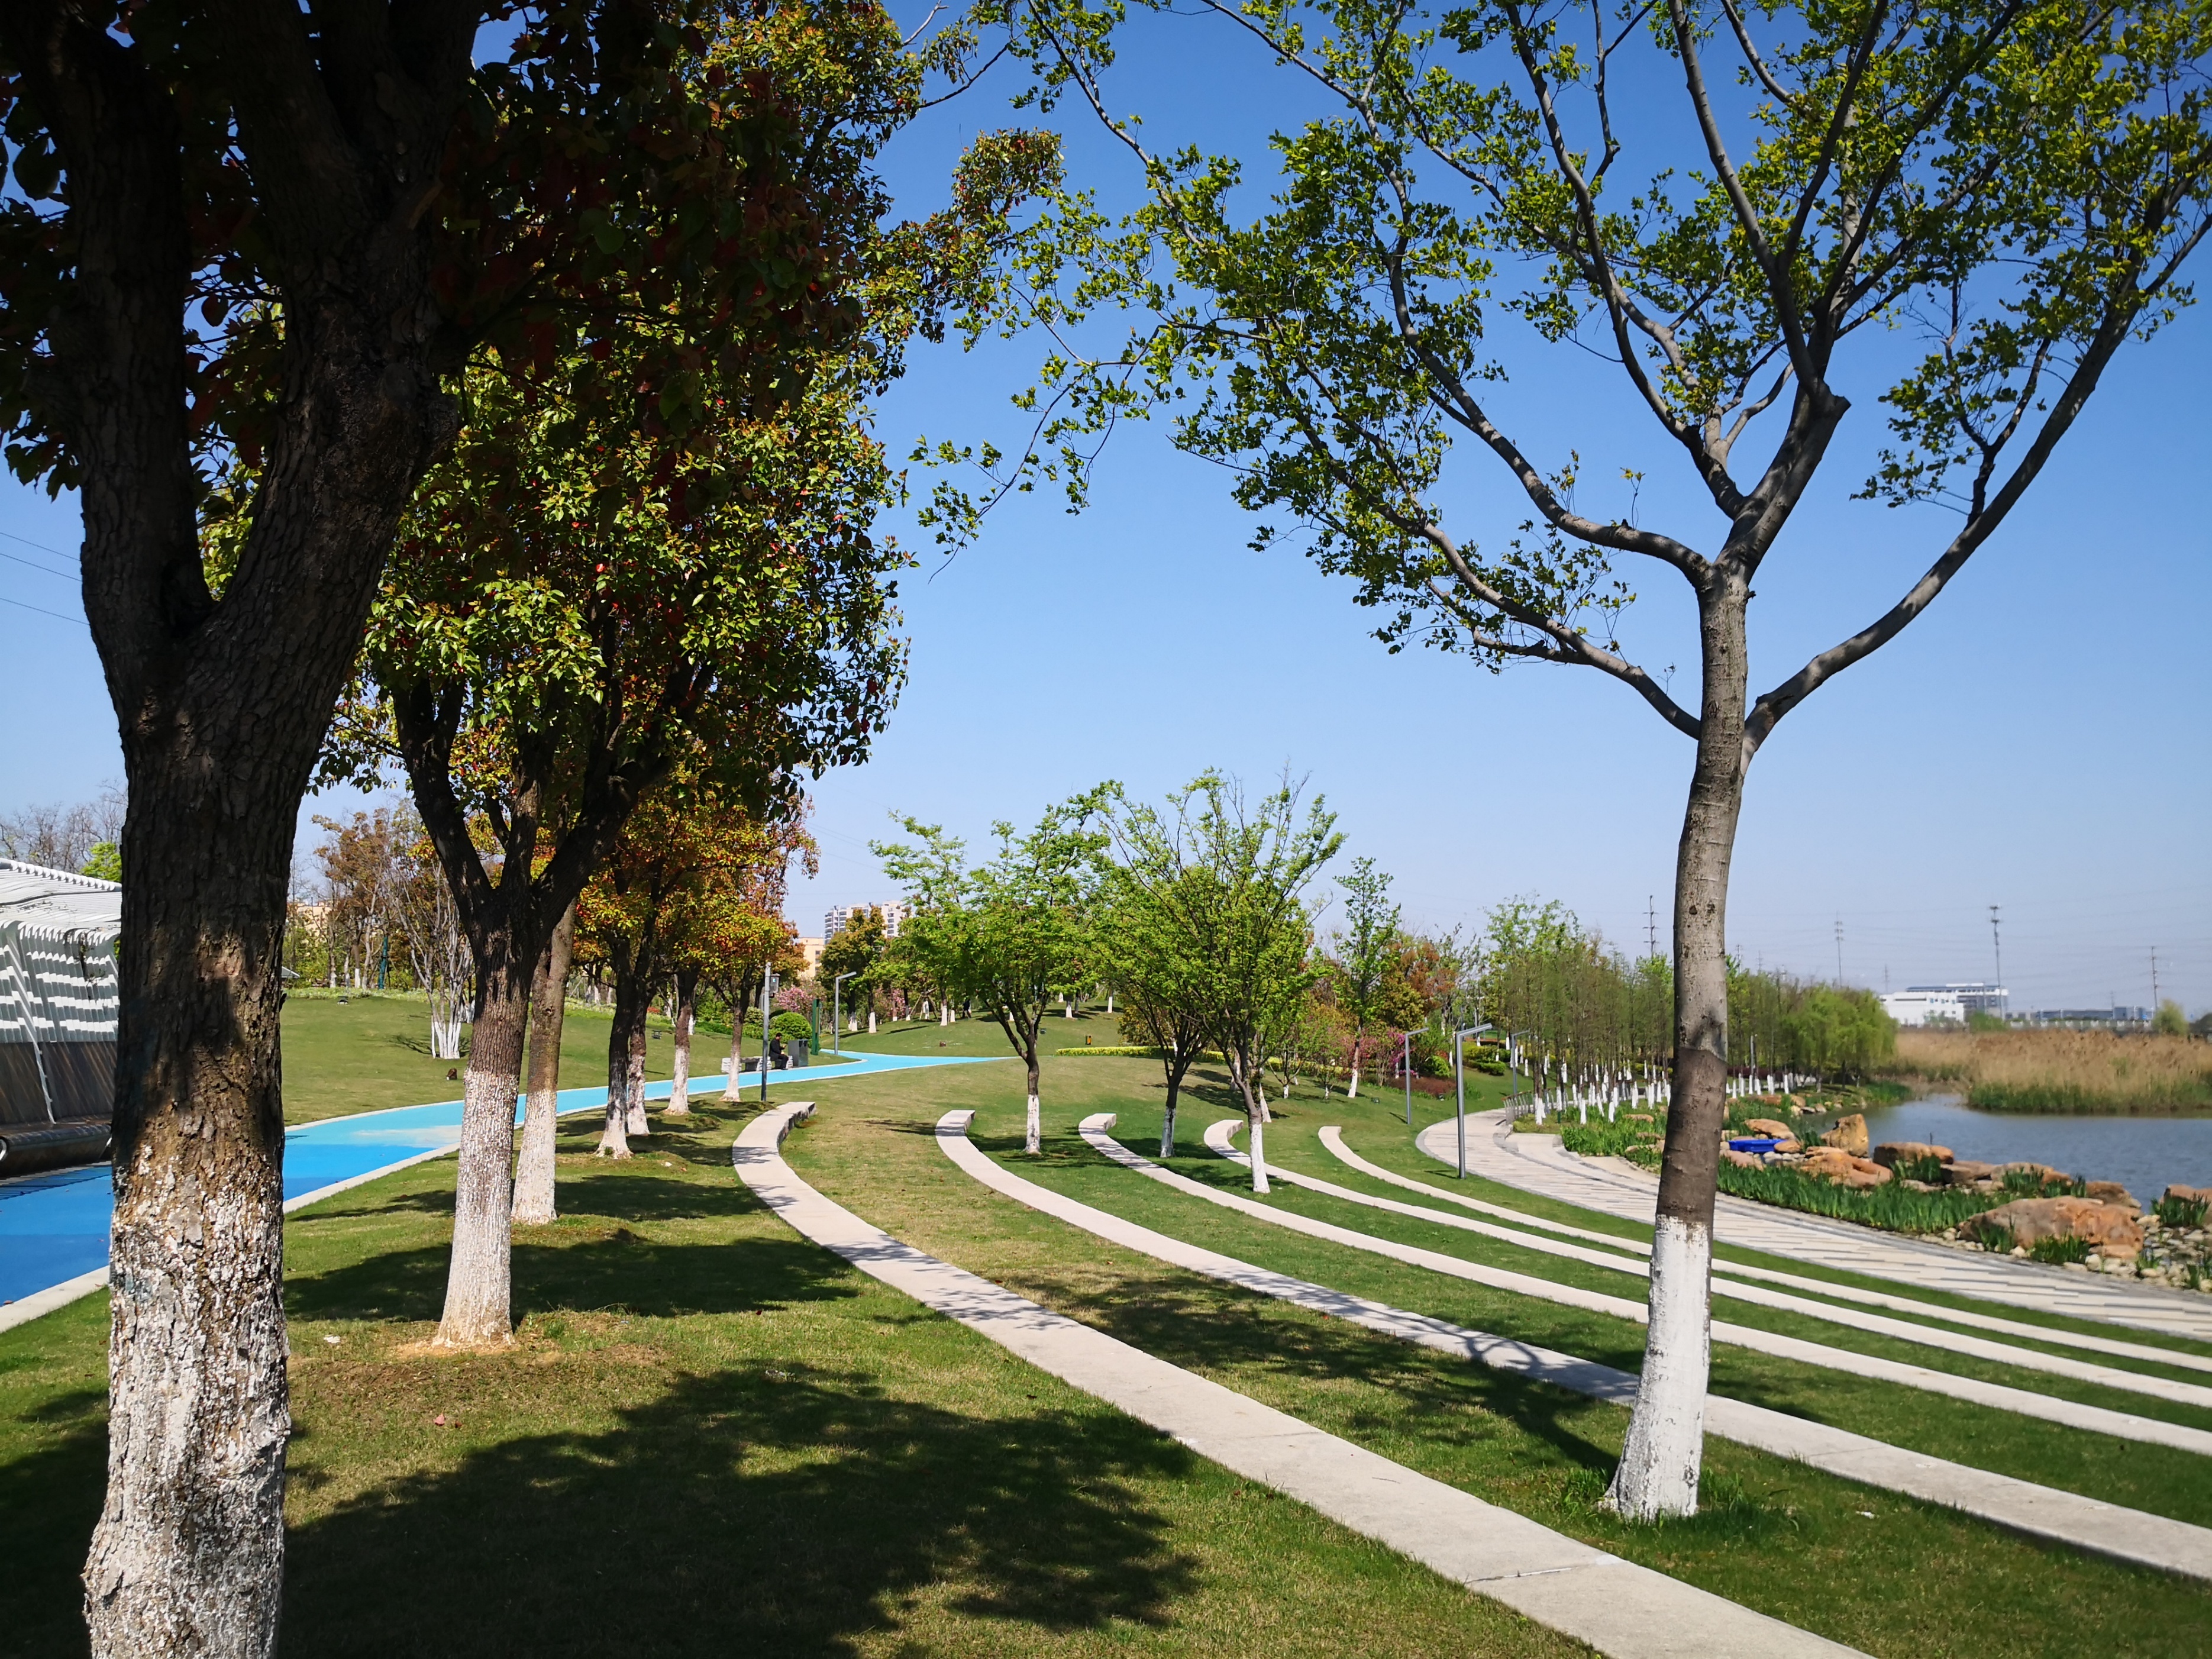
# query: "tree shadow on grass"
745, 1512
650, 1279
49, 1500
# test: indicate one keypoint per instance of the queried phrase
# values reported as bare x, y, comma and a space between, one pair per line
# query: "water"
2143, 1154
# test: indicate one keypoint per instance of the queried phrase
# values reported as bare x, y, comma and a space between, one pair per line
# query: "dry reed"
2062, 1071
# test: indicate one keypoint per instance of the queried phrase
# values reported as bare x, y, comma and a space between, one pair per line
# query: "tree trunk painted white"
1259, 1126
1659, 1465
534, 1196
1351, 1089
872, 1022
634, 1073
478, 1295
614, 1140
1658, 1473
687, 1016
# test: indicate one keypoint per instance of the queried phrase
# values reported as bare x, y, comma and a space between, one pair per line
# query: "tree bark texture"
1033, 1132
479, 1311
629, 1009
633, 1073
222, 705
687, 1017
534, 1196
1657, 1475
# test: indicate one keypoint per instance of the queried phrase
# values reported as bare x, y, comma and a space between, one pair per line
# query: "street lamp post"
1406, 1066
1459, 1065
837, 1011
768, 1017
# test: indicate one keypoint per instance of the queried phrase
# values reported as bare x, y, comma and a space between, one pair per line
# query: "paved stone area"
2021, 1506
1616, 1607
1332, 1140
1220, 1138
1539, 1163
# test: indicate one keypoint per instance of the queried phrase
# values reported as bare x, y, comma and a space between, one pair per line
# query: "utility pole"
1840, 952
1996, 943
1652, 924
2154, 982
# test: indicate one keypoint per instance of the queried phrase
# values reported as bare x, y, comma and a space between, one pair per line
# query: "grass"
1891, 1206
2063, 1071
711, 1436
372, 1050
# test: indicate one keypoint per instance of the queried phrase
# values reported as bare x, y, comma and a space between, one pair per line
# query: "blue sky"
2028, 743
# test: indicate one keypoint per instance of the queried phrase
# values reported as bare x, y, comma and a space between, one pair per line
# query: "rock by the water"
1965, 1172
1891, 1154
2043, 1172
1849, 1135
1744, 1160
1834, 1164
1785, 1138
2107, 1228
2110, 1192
2188, 1194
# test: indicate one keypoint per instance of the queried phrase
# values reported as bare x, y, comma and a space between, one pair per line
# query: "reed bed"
2059, 1070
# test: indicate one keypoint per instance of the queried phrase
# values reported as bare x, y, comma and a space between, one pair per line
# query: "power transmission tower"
2154, 982
1652, 924
1997, 944
1839, 950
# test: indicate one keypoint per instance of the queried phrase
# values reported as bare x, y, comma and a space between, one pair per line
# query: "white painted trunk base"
1033, 1135
1657, 1475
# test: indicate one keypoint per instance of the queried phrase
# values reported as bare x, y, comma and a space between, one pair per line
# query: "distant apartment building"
1923, 1004
895, 915
810, 950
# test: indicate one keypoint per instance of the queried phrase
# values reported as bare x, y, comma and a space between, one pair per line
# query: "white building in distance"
895, 915
1919, 1004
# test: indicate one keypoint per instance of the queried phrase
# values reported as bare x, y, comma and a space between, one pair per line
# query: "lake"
2143, 1154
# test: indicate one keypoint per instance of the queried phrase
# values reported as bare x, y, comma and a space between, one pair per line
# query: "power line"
59, 553
43, 612
66, 576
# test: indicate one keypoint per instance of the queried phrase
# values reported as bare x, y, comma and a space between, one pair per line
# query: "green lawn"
711, 1434
372, 1050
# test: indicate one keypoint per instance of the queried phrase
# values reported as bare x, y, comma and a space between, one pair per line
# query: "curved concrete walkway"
2125, 1425
1539, 1163
1219, 1136
2062, 1517
1331, 1139
1616, 1607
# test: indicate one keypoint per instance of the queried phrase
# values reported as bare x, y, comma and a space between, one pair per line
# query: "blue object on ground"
1754, 1144
53, 1227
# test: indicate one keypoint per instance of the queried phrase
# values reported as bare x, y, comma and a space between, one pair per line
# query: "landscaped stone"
1891, 1154
2189, 1194
2110, 1192
1834, 1164
1849, 1135
1785, 1138
2043, 1172
2107, 1228
1743, 1160
1965, 1172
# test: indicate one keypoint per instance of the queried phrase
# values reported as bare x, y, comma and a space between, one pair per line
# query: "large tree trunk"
222, 707
687, 1016
534, 1169
634, 1072
479, 1311
1659, 1465
1176, 1067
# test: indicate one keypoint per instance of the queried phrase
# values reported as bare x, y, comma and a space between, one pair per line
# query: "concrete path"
1539, 1163
54, 1227
1615, 1605
2062, 1517
1219, 1137
2126, 1425
1331, 1139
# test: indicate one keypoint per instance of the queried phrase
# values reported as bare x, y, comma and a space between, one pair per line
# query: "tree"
855, 948
1013, 934
1212, 889
1363, 948
65, 838
2021, 185
1149, 949
250, 241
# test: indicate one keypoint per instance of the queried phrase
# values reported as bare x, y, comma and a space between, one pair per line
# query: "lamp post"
1406, 1066
1459, 1065
768, 1018
837, 1011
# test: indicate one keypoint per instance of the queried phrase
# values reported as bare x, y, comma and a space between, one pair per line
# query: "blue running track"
54, 1227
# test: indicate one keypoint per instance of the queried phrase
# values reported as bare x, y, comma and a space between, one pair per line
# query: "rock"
2188, 1194
2110, 1192
1744, 1160
1891, 1154
2107, 1228
2042, 1172
1965, 1172
1785, 1138
1834, 1164
1849, 1135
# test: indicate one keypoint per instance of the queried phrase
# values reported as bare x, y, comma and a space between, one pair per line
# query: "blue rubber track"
54, 1227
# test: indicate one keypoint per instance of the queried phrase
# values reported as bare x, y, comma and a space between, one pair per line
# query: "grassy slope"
373, 1051
711, 1436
